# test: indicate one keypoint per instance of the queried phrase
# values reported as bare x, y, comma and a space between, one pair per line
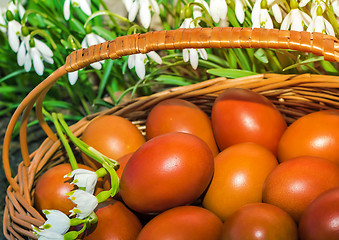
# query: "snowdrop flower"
89, 40
218, 9
83, 179
192, 54
295, 19
144, 8
320, 24
14, 8
55, 227
197, 9
139, 60
314, 6
85, 6
34, 50
260, 16
86, 203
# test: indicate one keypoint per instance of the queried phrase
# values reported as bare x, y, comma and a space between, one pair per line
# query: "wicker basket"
294, 96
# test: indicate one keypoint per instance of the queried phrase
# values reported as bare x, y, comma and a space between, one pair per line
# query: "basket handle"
229, 37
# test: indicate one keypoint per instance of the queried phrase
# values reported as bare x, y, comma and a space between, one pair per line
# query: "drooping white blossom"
197, 10
16, 8
84, 178
139, 60
86, 203
319, 23
144, 8
218, 10
192, 54
260, 16
89, 40
36, 54
295, 20
85, 6
56, 225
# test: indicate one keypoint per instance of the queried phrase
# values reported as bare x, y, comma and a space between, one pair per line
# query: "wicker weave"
294, 96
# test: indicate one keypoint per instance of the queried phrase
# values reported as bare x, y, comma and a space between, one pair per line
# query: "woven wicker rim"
304, 93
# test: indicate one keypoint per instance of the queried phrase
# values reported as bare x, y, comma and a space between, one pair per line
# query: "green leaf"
260, 54
175, 80
230, 73
307, 61
108, 35
77, 26
328, 67
13, 74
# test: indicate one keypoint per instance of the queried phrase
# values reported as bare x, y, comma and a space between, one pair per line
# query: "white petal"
37, 61
28, 62
311, 26
256, 13
48, 59
67, 9
131, 61
297, 23
91, 39
277, 13
133, 11
86, 203
335, 6
96, 65
11, 7
329, 28
43, 48
145, 16
21, 57
185, 55
140, 65
286, 22
21, 10
155, 57
73, 77
186, 23
99, 39
214, 11
155, 6
59, 222
306, 18
14, 30
266, 19
85, 7
128, 4
203, 54
239, 11
194, 58
84, 43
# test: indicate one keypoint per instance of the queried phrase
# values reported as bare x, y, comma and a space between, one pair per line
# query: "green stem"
88, 150
45, 35
64, 141
104, 12
114, 179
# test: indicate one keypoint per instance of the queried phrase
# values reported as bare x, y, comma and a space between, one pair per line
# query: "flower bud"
9, 16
